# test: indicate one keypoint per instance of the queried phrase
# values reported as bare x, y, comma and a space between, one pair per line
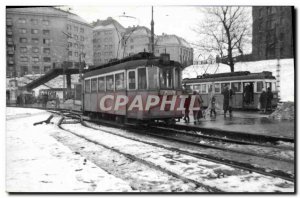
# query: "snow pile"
284, 111
286, 72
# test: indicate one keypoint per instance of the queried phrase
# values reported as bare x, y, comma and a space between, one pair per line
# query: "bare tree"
225, 32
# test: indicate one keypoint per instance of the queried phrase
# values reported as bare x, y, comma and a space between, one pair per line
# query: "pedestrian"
269, 99
228, 100
213, 106
187, 103
263, 101
57, 102
197, 104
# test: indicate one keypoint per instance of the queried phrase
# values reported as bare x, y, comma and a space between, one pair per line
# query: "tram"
246, 86
111, 89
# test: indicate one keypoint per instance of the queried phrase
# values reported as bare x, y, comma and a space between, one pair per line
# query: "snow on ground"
286, 73
203, 171
36, 162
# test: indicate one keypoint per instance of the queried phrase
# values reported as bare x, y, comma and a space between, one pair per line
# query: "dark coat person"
269, 99
227, 101
263, 100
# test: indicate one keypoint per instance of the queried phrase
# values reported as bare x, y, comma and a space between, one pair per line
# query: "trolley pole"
152, 33
278, 66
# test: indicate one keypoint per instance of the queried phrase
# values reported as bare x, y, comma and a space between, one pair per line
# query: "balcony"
9, 33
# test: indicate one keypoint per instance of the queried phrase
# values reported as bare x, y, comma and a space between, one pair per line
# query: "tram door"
248, 95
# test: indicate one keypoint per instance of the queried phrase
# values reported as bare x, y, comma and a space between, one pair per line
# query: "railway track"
172, 137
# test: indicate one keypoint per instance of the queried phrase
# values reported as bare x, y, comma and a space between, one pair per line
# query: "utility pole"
278, 58
152, 33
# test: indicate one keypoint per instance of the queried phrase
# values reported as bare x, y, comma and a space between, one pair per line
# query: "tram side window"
271, 85
131, 80
87, 86
223, 85
101, 84
110, 83
197, 88
120, 82
203, 88
236, 86
142, 80
259, 86
152, 77
94, 84
217, 88
166, 78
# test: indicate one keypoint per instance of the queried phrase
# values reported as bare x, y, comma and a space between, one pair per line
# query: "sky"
178, 20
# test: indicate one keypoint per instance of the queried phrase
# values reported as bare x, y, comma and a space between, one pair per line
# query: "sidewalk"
247, 122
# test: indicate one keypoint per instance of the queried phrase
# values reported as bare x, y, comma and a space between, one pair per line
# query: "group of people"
44, 98
198, 114
265, 100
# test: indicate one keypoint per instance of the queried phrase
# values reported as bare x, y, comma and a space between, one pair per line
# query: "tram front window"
166, 78
152, 77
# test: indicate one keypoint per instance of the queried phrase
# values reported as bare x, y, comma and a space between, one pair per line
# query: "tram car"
246, 86
136, 78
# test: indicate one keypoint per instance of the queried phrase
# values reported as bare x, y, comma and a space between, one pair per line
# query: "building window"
24, 59
34, 21
21, 20
47, 59
23, 49
47, 68
34, 31
46, 50
46, 22
69, 27
36, 69
81, 38
9, 21
35, 50
81, 30
76, 54
35, 40
75, 28
69, 44
46, 32
9, 41
24, 70
46, 41
22, 30
81, 46
75, 45
70, 53
35, 59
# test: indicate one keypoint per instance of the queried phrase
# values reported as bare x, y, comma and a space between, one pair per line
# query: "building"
177, 47
136, 39
41, 38
107, 37
272, 32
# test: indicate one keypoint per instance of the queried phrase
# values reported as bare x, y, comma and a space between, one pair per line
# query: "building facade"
272, 32
36, 39
107, 37
177, 47
136, 39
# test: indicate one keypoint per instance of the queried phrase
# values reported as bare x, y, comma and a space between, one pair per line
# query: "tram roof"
141, 59
227, 77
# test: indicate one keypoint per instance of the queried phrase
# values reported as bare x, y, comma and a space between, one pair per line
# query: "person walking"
213, 106
269, 99
187, 103
197, 104
263, 101
227, 101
